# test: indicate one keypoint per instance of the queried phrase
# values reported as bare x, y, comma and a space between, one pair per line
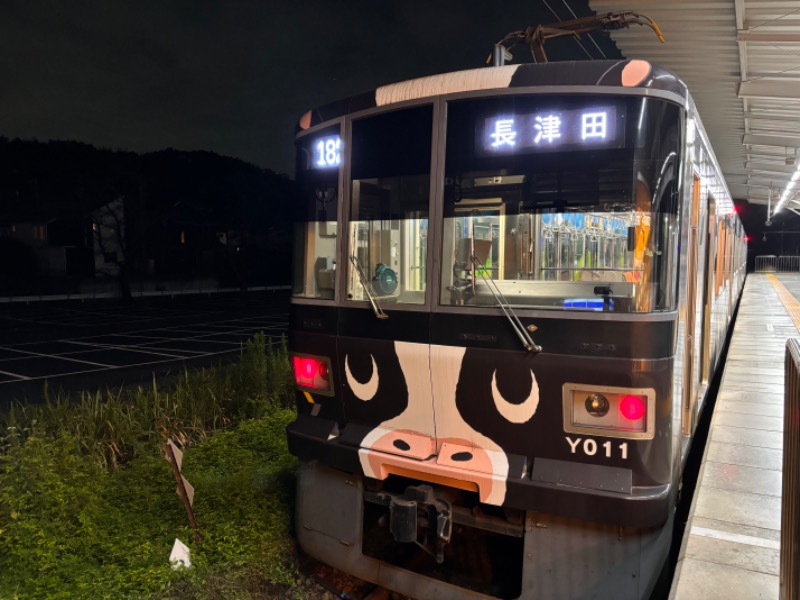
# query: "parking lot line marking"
140, 349
18, 376
57, 357
112, 367
155, 333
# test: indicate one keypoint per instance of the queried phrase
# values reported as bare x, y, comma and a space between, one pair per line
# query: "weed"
87, 502
117, 425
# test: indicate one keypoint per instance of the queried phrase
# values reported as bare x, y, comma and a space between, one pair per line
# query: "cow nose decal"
461, 456
401, 445
516, 413
362, 391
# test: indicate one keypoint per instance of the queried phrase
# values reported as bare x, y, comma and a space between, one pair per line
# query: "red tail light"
632, 407
312, 372
609, 411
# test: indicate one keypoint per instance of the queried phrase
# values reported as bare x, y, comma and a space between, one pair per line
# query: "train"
511, 289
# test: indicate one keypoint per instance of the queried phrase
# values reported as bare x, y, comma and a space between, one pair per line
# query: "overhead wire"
589, 35
555, 14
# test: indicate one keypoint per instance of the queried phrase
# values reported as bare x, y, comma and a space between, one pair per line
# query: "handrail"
766, 263
373, 300
790, 492
788, 264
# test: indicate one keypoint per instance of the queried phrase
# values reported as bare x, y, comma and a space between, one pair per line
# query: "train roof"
600, 73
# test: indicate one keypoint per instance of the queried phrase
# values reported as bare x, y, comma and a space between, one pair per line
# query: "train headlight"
312, 373
609, 411
597, 405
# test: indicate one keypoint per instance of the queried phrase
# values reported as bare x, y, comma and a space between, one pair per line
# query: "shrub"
87, 502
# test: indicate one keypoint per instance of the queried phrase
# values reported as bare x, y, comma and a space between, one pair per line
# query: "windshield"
565, 202
390, 195
315, 214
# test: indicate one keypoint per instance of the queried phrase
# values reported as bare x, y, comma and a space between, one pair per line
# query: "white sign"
176, 453
179, 557
189, 490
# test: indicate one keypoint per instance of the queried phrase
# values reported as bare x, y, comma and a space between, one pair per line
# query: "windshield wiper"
373, 300
516, 324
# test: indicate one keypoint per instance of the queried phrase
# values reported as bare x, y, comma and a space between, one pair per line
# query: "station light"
788, 191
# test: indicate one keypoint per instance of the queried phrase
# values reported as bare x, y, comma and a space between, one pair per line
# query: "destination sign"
326, 152
543, 130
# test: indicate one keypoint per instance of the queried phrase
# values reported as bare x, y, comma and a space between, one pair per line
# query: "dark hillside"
175, 215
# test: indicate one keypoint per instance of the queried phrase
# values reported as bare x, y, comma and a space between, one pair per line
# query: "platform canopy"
741, 61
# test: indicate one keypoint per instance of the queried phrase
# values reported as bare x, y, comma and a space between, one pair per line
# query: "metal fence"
769, 263
789, 264
766, 264
790, 494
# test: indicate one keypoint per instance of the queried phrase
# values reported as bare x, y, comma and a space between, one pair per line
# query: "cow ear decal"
516, 413
362, 391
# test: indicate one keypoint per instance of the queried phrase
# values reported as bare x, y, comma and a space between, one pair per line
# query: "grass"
115, 426
87, 501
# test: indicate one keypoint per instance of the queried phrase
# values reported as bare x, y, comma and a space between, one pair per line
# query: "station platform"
731, 545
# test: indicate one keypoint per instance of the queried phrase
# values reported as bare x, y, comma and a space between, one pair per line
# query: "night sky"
233, 77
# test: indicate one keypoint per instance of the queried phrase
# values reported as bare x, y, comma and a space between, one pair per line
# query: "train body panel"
512, 289
413, 403
603, 561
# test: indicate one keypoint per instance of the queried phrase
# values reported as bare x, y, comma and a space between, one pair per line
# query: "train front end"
442, 455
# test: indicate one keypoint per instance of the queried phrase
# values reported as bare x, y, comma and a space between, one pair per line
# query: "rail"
766, 263
790, 496
789, 264
769, 263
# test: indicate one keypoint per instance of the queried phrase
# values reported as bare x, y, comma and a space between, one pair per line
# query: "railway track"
344, 586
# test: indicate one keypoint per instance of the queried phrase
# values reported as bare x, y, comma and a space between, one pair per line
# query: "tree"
110, 241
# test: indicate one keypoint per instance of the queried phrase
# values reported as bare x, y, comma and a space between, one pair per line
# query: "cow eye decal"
516, 413
362, 391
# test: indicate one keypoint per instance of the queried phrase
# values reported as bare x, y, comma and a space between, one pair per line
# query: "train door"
689, 395
384, 360
708, 289
730, 266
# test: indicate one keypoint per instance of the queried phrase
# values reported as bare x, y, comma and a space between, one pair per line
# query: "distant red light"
746, 239
632, 407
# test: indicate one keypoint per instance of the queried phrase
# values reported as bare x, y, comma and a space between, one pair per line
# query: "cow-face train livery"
429, 434
512, 286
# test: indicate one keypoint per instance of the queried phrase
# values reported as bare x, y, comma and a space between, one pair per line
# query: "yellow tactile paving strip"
789, 301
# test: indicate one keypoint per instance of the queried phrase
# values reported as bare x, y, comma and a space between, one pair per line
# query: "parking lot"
74, 345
